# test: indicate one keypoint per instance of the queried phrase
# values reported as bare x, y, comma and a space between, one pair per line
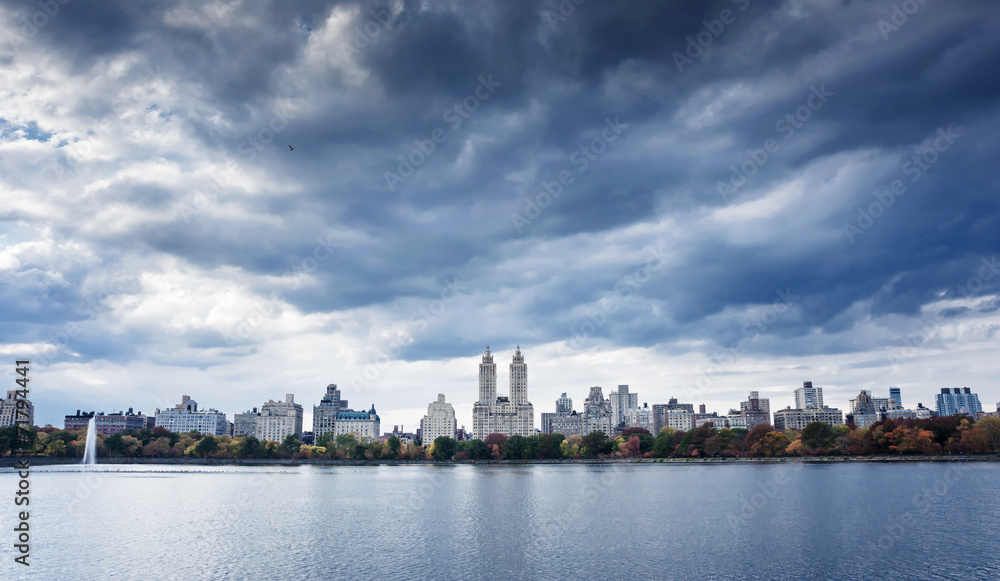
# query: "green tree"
597, 442
514, 448
291, 444
206, 446
347, 443
114, 445
818, 435
250, 447
477, 449
392, 447
444, 448
664, 444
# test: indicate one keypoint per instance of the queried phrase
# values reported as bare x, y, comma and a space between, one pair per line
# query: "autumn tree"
774, 443
990, 426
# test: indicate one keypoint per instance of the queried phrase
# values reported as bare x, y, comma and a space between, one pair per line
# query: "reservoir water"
570, 521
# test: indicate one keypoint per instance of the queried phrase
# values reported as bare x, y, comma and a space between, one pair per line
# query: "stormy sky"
697, 199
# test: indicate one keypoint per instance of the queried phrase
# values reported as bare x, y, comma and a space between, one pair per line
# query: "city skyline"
780, 400
628, 204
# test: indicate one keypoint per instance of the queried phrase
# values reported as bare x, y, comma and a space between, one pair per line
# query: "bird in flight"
292, 148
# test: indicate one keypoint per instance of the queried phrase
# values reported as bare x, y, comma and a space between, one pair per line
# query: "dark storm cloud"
558, 87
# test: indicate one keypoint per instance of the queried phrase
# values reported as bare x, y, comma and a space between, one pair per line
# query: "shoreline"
45, 461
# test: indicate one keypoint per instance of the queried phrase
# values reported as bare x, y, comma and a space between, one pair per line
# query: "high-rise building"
332, 416
439, 421
11, 414
755, 402
493, 414
879, 404
245, 424
596, 416
866, 410
279, 419
637, 417
564, 405
957, 400
895, 399
185, 417
808, 397
621, 400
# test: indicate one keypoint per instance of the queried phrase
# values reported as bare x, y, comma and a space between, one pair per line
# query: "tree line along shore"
932, 438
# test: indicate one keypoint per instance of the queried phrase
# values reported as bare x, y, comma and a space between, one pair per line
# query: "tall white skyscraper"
278, 419
808, 397
621, 402
439, 421
510, 415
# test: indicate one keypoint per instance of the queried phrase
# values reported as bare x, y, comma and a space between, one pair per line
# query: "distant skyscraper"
895, 399
808, 397
621, 401
439, 421
10, 414
564, 405
333, 416
596, 416
278, 419
513, 415
957, 400
755, 402
865, 411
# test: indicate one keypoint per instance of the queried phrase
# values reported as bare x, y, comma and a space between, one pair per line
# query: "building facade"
957, 400
621, 401
185, 417
10, 414
797, 419
278, 420
808, 397
116, 423
245, 424
637, 417
895, 398
439, 421
332, 416
755, 402
866, 410
493, 414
